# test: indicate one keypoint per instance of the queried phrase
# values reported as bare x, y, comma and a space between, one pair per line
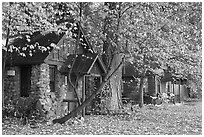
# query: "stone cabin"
45, 74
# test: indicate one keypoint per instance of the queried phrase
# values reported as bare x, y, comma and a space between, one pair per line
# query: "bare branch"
74, 86
127, 9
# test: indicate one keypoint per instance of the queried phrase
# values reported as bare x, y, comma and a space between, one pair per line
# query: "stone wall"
12, 86
35, 76
49, 103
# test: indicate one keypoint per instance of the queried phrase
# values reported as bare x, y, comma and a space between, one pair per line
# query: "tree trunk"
88, 100
4, 63
116, 84
112, 59
5, 56
141, 94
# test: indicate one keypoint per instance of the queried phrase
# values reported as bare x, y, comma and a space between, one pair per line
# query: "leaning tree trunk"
79, 108
107, 78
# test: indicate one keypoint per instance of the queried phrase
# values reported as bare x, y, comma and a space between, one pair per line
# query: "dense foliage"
156, 35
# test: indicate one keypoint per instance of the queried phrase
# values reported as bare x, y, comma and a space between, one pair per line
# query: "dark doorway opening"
25, 81
91, 84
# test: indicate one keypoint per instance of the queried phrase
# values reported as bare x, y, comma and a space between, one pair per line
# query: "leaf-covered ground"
165, 119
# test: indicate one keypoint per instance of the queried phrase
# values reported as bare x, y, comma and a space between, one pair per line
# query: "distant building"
158, 81
176, 84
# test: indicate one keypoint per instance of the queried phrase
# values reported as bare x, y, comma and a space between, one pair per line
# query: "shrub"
23, 108
8, 109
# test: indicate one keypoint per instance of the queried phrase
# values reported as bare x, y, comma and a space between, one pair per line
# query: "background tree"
162, 35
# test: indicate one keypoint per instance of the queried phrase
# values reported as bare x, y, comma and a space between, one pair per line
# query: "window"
52, 70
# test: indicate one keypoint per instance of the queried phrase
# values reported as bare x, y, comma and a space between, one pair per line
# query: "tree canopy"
155, 35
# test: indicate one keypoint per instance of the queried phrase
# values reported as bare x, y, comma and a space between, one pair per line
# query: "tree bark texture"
116, 84
4, 63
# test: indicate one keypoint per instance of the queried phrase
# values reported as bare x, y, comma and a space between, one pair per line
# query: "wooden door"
25, 81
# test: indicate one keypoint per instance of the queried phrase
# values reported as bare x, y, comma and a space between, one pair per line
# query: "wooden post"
160, 86
68, 107
174, 99
83, 94
179, 91
156, 89
173, 87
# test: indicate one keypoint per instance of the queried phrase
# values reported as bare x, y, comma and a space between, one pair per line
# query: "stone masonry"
49, 103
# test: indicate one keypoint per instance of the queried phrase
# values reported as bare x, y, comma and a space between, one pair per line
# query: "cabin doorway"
25, 81
91, 85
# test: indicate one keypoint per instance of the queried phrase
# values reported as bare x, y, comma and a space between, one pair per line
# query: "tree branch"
74, 86
127, 9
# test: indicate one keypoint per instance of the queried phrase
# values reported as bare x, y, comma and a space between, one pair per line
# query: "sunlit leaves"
165, 33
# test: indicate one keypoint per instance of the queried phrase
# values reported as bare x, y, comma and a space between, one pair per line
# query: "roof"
84, 39
82, 63
173, 76
44, 39
84, 42
24, 46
